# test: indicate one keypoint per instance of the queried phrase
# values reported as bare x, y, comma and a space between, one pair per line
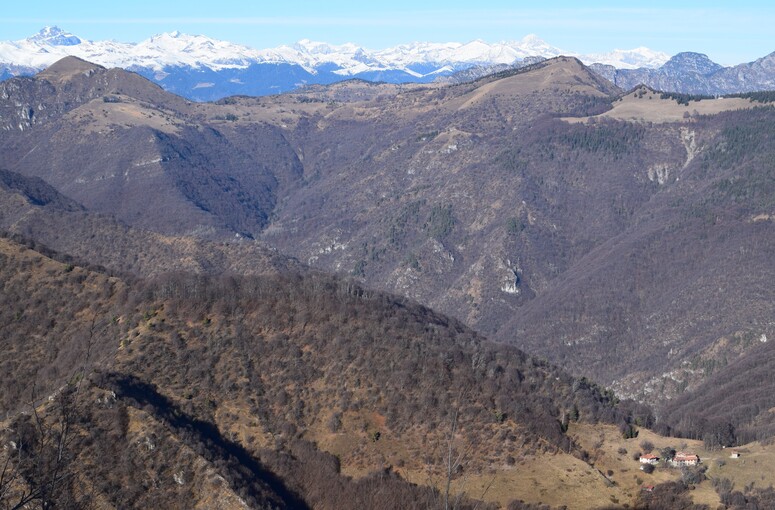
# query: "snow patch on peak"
534, 46
628, 59
322, 48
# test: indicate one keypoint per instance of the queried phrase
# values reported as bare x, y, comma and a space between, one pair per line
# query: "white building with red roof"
685, 459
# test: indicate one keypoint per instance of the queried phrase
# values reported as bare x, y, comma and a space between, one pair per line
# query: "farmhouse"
685, 459
649, 458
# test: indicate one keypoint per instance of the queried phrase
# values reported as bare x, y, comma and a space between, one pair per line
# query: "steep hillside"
735, 405
120, 145
51, 314
37, 215
626, 250
194, 391
625, 236
25, 102
683, 290
596, 244
424, 188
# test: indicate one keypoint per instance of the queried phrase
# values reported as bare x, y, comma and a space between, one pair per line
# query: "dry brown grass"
753, 467
649, 107
99, 116
67, 69
560, 74
554, 479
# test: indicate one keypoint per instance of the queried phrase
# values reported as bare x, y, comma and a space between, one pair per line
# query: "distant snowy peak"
175, 49
52, 44
321, 48
55, 36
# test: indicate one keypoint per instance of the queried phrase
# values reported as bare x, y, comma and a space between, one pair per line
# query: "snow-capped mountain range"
177, 49
202, 68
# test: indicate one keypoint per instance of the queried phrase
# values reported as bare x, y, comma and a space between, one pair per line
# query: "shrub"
335, 422
628, 430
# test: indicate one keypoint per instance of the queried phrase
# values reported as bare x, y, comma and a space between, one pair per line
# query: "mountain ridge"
695, 73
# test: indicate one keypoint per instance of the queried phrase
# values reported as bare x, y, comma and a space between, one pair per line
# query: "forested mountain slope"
623, 236
196, 391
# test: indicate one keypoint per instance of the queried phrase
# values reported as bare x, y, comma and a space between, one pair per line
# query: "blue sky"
728, 32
